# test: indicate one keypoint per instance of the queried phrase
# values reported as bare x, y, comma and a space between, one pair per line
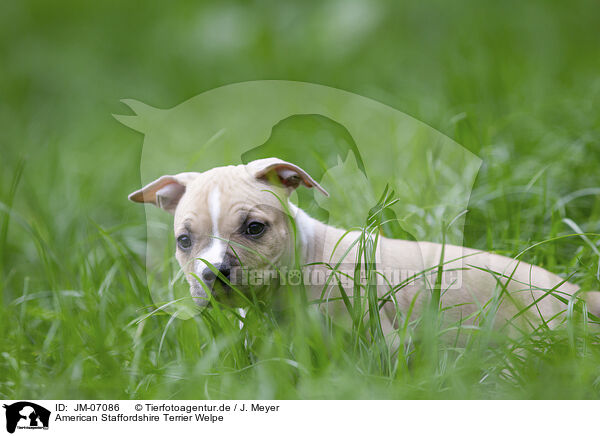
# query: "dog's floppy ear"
165, 192
275, 170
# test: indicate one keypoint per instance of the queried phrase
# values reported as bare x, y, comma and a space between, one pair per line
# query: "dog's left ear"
275, 170
165, 192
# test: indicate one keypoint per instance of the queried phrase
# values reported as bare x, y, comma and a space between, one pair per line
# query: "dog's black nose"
209, 276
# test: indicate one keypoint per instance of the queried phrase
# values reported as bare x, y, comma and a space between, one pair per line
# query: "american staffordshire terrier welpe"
237, 217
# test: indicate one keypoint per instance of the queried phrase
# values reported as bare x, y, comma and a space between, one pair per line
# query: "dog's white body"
470, 281
217, 211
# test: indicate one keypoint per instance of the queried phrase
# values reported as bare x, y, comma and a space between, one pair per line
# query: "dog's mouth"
219, 290
232, 290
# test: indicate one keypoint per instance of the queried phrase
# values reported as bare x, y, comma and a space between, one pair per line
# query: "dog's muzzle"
212, 281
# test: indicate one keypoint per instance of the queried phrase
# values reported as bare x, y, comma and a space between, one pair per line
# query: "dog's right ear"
165, 192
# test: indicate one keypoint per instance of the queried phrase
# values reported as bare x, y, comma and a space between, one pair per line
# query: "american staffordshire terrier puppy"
238, 217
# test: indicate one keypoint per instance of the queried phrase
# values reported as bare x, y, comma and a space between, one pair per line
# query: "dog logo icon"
26, 415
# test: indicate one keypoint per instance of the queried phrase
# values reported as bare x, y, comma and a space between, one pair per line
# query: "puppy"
239, 219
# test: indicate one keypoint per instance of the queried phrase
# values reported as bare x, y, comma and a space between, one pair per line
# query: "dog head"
230, 217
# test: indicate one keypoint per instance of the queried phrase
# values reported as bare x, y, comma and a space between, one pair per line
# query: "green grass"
515, 83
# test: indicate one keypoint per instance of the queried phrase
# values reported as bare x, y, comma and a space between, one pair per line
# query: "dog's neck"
317, 239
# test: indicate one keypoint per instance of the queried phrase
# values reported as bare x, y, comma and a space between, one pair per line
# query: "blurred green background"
517, 83
508, 80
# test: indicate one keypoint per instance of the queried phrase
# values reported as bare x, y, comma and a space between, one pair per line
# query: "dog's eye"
184, 242
255, 228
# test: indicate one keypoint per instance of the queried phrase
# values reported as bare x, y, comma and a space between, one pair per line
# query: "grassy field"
516, 83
